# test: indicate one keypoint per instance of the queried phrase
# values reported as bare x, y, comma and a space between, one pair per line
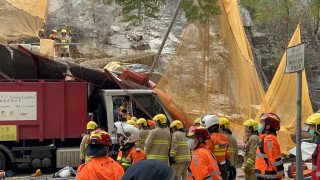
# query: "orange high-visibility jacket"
218, 144
104, 168
135, 154
203, 165
269, 164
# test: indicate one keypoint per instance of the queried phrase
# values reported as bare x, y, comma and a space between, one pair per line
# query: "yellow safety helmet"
132, 122
176, 123
91, 125
161, 118
134, 119
197, 121
224, 123
142, 121
251, 124
63, 31
314, 119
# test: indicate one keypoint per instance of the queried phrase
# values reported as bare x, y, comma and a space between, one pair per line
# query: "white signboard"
295, 58
18, 106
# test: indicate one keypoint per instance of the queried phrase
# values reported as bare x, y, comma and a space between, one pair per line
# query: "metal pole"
299, 171
165, 39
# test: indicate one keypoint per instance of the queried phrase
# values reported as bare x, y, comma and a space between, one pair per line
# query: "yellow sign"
8, 133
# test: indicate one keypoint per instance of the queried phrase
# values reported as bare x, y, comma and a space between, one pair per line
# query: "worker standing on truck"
180, 152
129, 153
158, 141
64, 49
143, 131
203, 163
101, 166
269, 164
250, 148
91, 126
218, 143
314, 129
233, 146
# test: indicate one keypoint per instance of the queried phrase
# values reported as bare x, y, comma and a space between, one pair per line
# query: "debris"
65, 173
306, 148
37, 174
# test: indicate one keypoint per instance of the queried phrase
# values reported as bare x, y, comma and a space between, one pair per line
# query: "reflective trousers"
180, 169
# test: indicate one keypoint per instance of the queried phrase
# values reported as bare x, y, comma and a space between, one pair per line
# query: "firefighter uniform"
157, 144
233, 151
130, 156
203, 165
268, 164
83, 145
100, 168
143, 136
181, 153
250, 155
64, 49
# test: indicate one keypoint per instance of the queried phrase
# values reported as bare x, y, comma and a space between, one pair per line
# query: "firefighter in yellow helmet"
132, 122
233, 147
158, 141
250, 148
180, 152
91, 126
314, 129
134, 119
143, 131
64, 49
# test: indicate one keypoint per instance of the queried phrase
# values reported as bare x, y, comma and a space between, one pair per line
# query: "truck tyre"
2, 161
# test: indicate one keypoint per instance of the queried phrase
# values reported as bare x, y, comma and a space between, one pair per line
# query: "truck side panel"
61, 109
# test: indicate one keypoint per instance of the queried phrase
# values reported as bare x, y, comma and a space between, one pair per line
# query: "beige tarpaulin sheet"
281, 98
213, 70
47, 47
21, 18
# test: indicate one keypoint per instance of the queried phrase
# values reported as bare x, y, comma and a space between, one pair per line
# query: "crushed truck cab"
42, 122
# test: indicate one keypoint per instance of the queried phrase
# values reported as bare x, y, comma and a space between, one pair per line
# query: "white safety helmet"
130, 133
209, 120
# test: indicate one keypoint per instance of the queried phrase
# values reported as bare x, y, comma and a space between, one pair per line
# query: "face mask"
312, 132
260, 128
191, 143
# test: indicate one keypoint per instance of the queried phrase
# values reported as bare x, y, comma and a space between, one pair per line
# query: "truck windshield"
141, 106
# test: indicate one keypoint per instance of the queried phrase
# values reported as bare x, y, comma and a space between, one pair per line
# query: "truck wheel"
2, 161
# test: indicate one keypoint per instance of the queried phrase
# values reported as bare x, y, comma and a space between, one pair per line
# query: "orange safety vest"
203, 165
104, 168
135, 154
268, 164
218, 144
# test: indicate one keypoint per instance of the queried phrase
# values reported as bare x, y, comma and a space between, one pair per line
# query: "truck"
42, 121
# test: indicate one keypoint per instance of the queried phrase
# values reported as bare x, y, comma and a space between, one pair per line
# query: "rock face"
100, 29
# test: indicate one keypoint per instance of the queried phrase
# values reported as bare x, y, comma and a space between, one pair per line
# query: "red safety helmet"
99, 136
271, 119
198, 131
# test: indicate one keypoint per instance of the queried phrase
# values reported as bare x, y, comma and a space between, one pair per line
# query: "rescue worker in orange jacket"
101, 166
250, 148
314, 129
143, 131
233, 146
179, 157
268, 163
129, 152
218, 143
158, 141
203, 163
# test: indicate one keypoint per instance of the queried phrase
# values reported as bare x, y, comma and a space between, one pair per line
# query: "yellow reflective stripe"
182, 157
223, 149
157, 157
173, 151
160, 142
219, 153
182, 143
220, 146
125, 164
143, 140
249, 162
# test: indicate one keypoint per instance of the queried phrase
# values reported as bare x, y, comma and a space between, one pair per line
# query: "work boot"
37, 174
